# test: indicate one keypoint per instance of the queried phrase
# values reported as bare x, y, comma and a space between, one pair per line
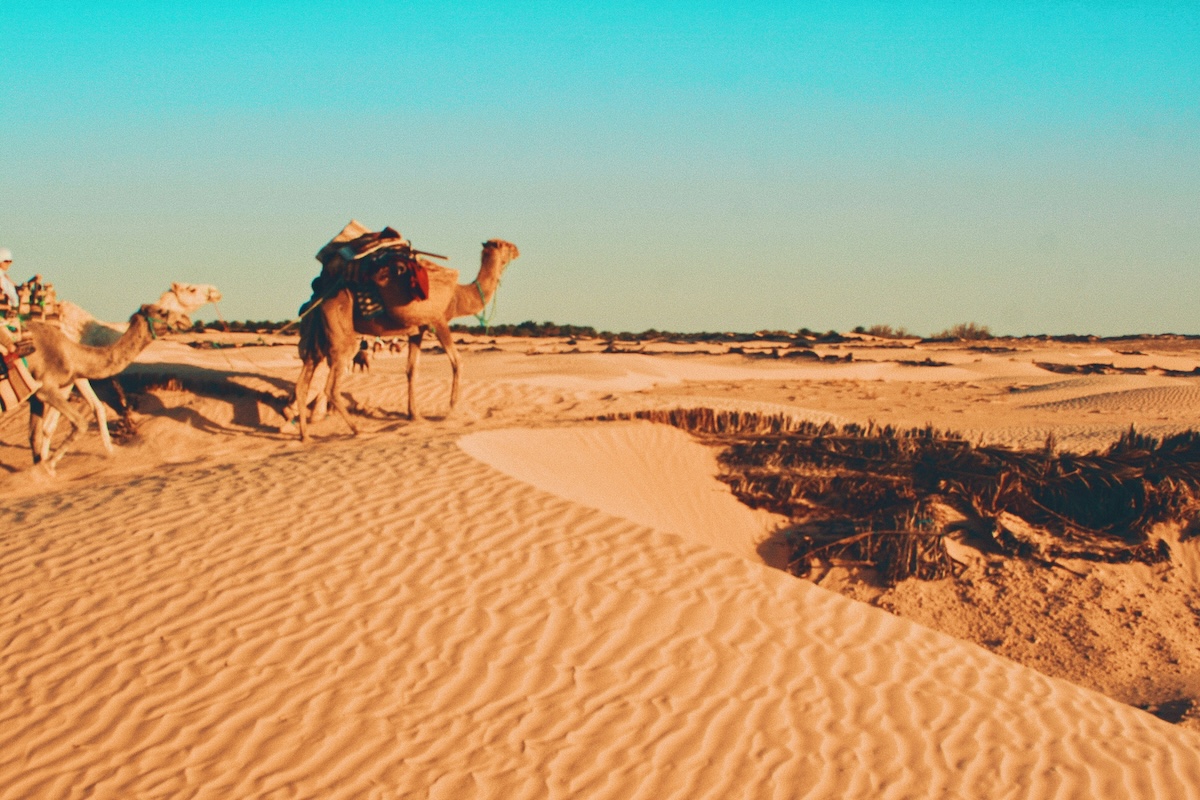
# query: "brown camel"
332, 330
58, 362
82, 327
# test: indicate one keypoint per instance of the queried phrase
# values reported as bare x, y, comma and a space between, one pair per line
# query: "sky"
690, 166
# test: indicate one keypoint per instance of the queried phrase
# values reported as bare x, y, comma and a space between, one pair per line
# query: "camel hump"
439, 274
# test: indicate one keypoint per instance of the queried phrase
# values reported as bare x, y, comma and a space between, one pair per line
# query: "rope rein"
338, 285
150, 324
485, 316
220, 348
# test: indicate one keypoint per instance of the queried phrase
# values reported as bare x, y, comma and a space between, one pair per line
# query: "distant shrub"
966, 331
528, 328
545, 329
239, 326
885, 332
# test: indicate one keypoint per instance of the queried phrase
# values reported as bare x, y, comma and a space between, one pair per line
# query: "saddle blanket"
367, 302
16, 382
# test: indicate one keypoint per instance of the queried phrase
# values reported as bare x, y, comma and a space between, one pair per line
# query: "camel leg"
47, 420
442, 329
320, 403
315, 410
56, 398
42, 422
302, 384
318, 409
50, 420
414, 355
89, 394
339, 360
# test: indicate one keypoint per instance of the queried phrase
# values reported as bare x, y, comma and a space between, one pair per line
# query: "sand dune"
653, 475
509, 603
443, 629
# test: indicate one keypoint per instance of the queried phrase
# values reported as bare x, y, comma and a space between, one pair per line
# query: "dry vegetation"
889, 498
887, 332
965, 331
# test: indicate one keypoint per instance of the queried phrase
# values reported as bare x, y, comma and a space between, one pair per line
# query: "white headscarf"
6, 284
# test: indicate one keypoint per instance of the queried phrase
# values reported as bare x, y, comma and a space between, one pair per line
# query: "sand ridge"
650, 474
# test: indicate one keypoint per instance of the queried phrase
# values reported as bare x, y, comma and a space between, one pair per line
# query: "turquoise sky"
1034, 167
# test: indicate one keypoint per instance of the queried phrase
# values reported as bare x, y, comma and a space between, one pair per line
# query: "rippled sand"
513, 601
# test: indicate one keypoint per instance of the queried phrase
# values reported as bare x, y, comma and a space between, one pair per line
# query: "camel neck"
122, 352
489, 277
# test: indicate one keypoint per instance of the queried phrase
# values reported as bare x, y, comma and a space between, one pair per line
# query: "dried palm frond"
1098, 506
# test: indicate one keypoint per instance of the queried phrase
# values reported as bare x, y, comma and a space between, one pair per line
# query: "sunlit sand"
517, 600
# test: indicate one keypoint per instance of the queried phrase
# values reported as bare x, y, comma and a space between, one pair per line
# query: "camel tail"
314, 344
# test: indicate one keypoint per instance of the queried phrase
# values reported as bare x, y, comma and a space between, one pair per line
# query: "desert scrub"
870, 494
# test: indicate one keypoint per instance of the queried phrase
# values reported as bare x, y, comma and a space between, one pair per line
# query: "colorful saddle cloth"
16, 382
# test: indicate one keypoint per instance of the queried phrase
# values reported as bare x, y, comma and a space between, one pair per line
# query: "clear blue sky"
1034, 167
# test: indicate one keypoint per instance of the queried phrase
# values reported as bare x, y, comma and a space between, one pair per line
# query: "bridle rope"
485, 316
150, 323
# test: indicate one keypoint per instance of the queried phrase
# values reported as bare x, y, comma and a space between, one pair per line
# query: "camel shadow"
245, 420
201, 380
236, 388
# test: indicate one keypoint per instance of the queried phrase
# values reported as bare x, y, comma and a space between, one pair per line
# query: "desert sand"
516, 600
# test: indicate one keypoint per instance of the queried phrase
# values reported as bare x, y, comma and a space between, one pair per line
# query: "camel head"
162, 320
507, 250
187, 297
500, 250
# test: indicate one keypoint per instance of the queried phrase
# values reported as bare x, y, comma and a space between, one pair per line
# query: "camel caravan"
372, 284
51, 347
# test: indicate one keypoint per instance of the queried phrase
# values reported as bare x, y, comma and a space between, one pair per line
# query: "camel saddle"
363, 260
356, 242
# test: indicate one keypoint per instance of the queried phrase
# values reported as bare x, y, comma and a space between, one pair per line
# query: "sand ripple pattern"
390, 618
1162, 399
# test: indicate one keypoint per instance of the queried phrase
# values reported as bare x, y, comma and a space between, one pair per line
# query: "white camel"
80, 326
